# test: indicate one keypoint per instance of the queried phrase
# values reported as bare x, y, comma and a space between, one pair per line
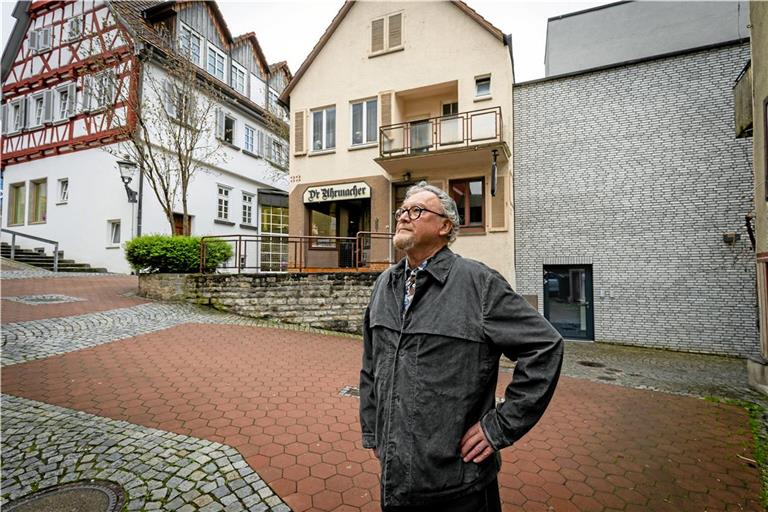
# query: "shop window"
323, 224
16, 204
38, 201
470, 200
274, 249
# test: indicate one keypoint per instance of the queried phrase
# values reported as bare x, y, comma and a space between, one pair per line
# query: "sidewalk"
197, 380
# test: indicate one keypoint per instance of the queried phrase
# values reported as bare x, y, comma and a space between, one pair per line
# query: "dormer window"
216, 63
190, 43
238, 78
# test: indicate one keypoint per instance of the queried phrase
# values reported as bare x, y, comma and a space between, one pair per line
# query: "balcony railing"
464, 129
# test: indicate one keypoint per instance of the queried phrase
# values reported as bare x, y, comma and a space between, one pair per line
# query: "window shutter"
33, 40
108, 87
299, 146
48, 106
377, 35
71, 99
385, 100
85, 103
28, 111
219, 123
23, 115
45, 43
260, 148
395, 30
170, 103
4, 117
498, 204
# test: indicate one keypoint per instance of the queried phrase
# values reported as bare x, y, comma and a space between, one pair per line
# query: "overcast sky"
288, 29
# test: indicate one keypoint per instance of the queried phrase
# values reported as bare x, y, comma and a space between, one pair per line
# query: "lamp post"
127, 171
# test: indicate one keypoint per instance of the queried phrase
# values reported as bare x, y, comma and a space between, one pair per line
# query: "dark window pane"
475, 202
357, 123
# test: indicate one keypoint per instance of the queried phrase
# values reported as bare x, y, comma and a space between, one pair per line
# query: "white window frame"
67, 110
364, 103
187, 31
247, 213
223, 201
74, 28
237, 68
36, 109
63, 191
483, 78
324, 142
17, 123
233, 136
40, 39
215, 52
249, 139
114, 227
386, 46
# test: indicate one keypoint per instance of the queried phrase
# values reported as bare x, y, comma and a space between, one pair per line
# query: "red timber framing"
102, 44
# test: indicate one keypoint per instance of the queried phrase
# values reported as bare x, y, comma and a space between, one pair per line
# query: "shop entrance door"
354, 216
568, 300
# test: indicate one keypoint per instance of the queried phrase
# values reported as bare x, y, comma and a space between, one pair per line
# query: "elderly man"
434, 331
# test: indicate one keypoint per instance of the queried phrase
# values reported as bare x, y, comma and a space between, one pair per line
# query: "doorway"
568, 300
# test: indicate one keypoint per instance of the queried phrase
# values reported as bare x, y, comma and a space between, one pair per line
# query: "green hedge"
174, 254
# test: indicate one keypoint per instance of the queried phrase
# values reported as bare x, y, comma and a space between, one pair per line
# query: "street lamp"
127, 171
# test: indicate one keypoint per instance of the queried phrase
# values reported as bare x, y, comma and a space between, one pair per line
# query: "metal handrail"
298, 244
436, 126
14, 234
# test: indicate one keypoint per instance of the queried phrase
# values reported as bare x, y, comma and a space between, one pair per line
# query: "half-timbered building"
76, 75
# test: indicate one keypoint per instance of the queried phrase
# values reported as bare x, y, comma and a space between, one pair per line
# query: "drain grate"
36, 300
591, 364
91, 495
350, 391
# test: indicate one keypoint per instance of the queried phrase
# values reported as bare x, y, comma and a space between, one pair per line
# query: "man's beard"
404, 241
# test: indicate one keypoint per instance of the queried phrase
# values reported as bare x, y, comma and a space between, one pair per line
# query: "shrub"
174, 254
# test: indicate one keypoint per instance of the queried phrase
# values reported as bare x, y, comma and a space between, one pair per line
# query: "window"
274, 250
40, 39
229, 129
113, 233
238, 78
216, 60
324, 129
387, 33
470, 200
18, 115
222, 211
190, 44
16, 204
63, 103
482, 86
247, 208
38, 109
63, 190
323, 224
248, 140
38, 201
98, 90
277, 154
179, 103
74, 29
364, 122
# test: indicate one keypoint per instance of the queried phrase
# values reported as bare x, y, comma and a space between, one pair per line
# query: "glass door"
568, 300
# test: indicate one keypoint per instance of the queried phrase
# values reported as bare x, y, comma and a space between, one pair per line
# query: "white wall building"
69, 71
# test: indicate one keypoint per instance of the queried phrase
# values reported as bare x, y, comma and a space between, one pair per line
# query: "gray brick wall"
334, 301
636, 170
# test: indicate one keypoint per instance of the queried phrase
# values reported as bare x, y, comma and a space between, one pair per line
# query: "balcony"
446, 141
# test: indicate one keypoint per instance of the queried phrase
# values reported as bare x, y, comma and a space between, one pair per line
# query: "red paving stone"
273, 395
100, 294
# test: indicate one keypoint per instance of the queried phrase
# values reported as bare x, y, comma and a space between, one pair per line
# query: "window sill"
252, 155
249, 226
471, 230
322, 248
322, 152
60, 121
35, 223
367, 145
386, 52
485, 97
229, 144
223, 222
17, 224
112, 246
62, 203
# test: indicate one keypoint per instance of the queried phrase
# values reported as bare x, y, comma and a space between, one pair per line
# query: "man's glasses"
414, 212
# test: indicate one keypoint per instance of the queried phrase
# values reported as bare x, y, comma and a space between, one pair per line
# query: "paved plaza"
190, 409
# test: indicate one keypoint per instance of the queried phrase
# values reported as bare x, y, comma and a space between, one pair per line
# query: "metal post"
56, 257
13, 246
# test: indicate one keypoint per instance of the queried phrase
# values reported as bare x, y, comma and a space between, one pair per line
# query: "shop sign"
359, 190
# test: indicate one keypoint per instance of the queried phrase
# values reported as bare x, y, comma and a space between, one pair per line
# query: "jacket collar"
438, 267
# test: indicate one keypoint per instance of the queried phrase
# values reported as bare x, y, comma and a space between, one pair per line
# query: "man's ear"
446, 227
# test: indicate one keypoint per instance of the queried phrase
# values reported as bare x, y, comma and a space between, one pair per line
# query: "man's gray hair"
448, 204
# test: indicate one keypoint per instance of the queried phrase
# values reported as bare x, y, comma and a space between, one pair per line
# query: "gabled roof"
251, 38
16, 39
280, 66
495, 32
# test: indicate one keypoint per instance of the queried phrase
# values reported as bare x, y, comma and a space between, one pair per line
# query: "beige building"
394, 93
759, 79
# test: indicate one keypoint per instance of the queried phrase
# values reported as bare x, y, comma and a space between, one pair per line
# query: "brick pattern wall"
636, 170
334, 301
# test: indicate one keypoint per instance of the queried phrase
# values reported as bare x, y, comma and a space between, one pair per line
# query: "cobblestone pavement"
273, 395
47, 274
45, 445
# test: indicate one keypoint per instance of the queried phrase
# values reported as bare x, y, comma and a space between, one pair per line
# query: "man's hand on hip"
474, 445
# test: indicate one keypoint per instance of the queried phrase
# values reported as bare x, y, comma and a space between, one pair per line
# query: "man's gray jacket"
428, 377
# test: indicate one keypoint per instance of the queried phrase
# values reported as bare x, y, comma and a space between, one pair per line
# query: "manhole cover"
591, 364
35, 300
93, 496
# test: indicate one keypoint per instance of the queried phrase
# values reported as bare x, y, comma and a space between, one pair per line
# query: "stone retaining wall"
334, 301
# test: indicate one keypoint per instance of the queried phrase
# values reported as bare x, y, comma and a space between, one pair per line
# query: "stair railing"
14, 234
